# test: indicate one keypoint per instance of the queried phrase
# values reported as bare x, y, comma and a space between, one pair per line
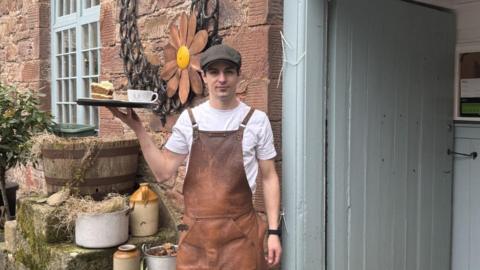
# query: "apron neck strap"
194, 124
247, 118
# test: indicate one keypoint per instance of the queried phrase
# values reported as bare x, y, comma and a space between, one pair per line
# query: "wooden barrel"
95, 168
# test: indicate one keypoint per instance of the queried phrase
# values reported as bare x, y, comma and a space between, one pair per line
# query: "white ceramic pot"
153, 262
102, 230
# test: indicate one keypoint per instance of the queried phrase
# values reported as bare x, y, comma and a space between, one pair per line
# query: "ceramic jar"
127, 257
145, 211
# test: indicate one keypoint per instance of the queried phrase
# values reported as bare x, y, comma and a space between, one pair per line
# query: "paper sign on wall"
470, 88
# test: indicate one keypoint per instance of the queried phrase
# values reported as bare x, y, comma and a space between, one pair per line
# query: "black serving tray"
113, 103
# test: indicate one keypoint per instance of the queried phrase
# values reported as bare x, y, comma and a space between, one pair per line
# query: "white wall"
468, 22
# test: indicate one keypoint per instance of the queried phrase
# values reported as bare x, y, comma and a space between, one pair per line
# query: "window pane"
67, 90
85, 36
60, 8
87, 3
73, 87
67, 7
65, 41
74, 5
86, 114
59, 42
95, 116
97, 2
86, 88
66, 115
95, 62
59, 66
73, 110
59, 90
93, 34
86, 64
59, 113
95, 79
73, 40
73, 64
65, 66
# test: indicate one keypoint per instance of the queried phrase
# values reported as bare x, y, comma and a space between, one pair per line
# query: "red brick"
154, 27
33, 16
257, 94
25, 50
257, 12
253, 45
277, 137
146, 7
11, 52
44, 13
275, 16
31, 71
232, 14
111, 61
108, 24
41, 44
168, 3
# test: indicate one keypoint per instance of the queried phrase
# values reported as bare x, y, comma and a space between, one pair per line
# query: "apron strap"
244, 124
194, 124
247, 118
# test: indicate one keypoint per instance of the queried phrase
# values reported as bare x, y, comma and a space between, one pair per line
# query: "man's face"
221, 79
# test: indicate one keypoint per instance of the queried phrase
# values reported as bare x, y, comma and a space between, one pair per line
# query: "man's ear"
204, 76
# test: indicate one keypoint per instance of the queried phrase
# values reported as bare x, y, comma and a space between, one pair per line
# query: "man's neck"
224, 105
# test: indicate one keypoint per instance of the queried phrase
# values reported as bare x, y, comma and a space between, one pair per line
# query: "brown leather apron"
221, 229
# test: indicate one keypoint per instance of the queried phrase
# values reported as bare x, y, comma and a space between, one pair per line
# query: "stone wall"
251, 26
25, 61
25, 45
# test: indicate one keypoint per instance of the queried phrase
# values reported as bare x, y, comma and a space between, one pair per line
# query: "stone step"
68, 256
39, 245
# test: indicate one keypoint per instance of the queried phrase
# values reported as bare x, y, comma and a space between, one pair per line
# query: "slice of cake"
102, 90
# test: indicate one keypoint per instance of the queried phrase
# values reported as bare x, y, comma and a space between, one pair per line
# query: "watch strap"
275, 232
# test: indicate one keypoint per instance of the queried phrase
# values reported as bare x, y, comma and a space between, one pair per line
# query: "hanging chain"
207, 18
140, 72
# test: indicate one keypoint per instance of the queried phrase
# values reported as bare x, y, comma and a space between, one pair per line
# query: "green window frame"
75, 58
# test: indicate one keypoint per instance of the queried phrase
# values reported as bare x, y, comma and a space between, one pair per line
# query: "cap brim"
220, 60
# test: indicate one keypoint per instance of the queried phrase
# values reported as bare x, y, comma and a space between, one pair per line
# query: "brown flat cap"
220, 52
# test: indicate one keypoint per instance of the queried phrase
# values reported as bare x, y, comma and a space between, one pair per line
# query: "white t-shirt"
257, 137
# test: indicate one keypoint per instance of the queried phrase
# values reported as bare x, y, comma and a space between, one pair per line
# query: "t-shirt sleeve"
265, 146
178, 141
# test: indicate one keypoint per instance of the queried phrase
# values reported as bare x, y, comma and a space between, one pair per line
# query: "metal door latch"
473, 155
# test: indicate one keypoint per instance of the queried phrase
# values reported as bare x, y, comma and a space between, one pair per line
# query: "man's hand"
130, 118
274, 250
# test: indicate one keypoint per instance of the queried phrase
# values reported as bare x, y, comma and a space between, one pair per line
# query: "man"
226, 142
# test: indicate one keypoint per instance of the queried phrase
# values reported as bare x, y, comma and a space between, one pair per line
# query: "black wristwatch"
275, 232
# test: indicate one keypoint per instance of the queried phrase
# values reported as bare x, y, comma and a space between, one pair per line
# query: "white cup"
141, 95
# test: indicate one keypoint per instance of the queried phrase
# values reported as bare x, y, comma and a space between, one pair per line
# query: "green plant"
20, 120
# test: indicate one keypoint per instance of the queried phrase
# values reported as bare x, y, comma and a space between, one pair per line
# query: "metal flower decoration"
183, 59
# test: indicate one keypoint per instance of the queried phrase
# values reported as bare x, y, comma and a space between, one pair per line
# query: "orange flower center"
183, 57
